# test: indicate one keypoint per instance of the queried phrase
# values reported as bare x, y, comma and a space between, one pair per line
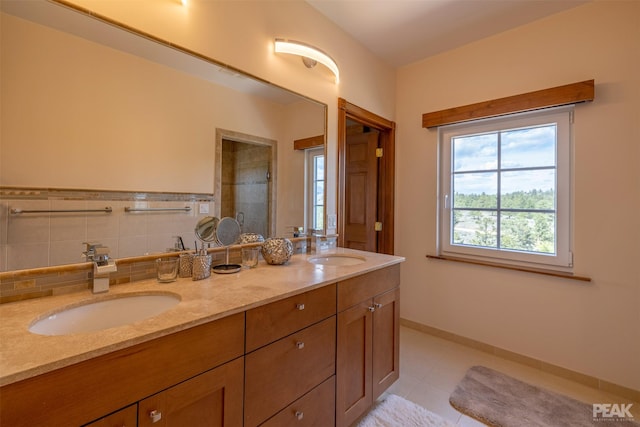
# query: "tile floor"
431, 367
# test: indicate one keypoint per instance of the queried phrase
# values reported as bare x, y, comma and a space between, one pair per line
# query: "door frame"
386, 173
243, 138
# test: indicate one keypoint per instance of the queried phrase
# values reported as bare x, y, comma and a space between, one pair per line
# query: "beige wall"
592, 328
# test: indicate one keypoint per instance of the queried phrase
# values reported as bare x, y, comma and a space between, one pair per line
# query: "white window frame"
562, 260
310, 179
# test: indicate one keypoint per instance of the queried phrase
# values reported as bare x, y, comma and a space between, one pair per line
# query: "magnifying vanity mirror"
227, 233
206, 229
108, 117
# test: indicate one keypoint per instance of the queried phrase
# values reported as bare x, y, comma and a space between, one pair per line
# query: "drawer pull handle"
299, 415
300, 307
155, 416
372, 309
300, 345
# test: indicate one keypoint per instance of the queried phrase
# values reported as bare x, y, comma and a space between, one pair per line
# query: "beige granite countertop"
24, 354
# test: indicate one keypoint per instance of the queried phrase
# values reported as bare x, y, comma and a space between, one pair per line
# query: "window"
505, 189
315, 188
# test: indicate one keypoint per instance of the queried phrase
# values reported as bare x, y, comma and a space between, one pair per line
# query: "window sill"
512, 267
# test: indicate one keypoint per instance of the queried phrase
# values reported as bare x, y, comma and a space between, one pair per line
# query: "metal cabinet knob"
300, 307
299, 415
372, 309
377, 305
300, 345
155, 416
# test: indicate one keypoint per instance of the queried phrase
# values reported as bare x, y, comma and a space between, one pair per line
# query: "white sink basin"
104, 313
337, 259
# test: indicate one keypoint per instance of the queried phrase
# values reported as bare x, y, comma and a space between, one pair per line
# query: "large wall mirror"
96, 116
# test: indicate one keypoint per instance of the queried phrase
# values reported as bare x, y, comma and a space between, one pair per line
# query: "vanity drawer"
357, 289
124, 417
280, 373
273, 321
316, 408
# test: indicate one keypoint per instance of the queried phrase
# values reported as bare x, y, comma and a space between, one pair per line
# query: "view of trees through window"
504, 190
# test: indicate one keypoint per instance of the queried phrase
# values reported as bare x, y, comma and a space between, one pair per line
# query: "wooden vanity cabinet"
367, 341
316, 359
89, 390
282, 377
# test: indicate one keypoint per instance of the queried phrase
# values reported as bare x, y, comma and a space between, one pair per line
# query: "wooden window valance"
553, 97
312, 142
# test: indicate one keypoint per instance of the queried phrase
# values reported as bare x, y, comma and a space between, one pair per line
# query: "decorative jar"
277, 250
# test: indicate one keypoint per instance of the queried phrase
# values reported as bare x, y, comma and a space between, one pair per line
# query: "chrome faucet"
102, 266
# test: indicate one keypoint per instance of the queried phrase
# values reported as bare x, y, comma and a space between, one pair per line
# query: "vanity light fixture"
310, 55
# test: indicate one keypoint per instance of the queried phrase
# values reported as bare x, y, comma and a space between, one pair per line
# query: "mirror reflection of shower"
246, 185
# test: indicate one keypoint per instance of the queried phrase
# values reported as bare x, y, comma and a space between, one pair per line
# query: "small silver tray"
226, 268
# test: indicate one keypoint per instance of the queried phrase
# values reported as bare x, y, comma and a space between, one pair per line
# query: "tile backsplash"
41, 252
19, 285
41, 239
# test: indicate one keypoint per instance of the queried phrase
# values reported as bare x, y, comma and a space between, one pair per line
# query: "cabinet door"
353, 370
127, 417
386, 341
212, 399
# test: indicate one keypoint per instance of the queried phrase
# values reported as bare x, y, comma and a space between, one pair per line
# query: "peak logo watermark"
612, 411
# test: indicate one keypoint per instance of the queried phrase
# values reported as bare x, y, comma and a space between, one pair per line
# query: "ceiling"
405, 31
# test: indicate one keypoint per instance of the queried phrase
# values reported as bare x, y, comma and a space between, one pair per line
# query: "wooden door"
353, 370
348, 114
212, 399
386, 341
361, 191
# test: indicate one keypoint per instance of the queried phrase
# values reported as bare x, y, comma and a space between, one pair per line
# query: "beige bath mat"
498, 400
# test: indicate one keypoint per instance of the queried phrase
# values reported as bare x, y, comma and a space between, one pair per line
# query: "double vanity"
312, 342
